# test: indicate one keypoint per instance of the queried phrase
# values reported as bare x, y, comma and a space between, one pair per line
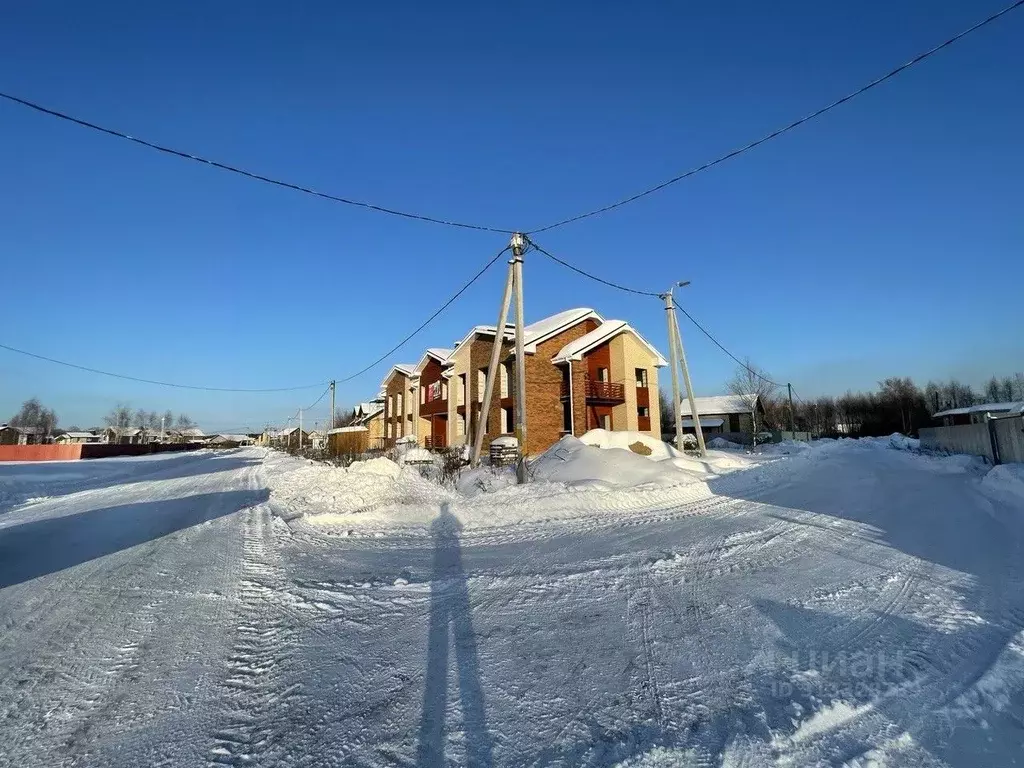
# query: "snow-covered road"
864, 608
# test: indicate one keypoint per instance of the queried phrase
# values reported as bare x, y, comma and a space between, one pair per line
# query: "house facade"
723, 415
582, 372
21, 435
400, 401
70, 438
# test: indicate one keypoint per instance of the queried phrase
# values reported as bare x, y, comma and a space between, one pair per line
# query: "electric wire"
785, 129
591, 276
719, 344
176, 385
430, 319
248, 174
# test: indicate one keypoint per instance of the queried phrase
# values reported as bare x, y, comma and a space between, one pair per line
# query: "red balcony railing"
599, 391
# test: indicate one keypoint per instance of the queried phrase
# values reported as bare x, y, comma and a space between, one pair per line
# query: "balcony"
599, 391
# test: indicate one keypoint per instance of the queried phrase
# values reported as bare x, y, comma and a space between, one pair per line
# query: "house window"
602, 374
641, 377
734, 422
606, 421
423, 395
463, 393
481, 383
503, 372
566, 416
460, 425
389, 429
643, 412
398, 404
507, 422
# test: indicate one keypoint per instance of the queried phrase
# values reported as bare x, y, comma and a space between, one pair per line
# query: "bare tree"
756, 387
993, 392
139, 419
119, 417
1018, 386
153, 421
34, 415
184, 422
1006, 389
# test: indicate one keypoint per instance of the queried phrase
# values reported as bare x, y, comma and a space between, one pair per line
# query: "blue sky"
883, 239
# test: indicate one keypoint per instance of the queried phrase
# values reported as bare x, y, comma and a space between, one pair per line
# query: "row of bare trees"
899, 404
123, 416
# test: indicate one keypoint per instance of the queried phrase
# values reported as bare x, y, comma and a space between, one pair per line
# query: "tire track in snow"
257, 692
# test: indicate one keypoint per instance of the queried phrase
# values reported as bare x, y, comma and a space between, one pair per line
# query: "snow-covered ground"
853, 602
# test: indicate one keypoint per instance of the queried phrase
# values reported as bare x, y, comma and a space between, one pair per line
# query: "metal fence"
999, 440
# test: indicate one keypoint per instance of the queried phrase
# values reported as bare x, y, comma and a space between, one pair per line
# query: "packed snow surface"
843, 602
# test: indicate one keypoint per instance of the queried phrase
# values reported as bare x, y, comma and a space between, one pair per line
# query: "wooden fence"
999, 440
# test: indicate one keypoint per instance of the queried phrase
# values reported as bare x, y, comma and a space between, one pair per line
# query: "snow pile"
637, 442
337, 493
485, 480
603, 459
721, 444
1005, 480
574, 462
417, 456
903, 443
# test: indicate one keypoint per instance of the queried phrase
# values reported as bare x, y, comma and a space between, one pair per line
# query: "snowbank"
574, 462
606, 459
1005, 480
636, 442
904, 443
721, 444
319, 490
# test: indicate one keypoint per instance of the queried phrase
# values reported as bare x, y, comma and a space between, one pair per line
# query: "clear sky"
882, 239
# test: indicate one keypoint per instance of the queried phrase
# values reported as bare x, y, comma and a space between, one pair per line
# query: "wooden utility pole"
792, 416
686, 380
333, 425
300, 429
518, 244
492, 370
676, 401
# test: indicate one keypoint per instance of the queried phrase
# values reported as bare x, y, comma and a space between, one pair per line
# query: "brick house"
582, 372
433, 379
21, 435
400, 401
730, 415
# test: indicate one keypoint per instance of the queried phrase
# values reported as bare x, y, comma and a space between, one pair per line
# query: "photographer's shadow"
451, 623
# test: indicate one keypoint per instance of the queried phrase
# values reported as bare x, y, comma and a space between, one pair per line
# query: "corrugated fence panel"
1010, 434
966, 438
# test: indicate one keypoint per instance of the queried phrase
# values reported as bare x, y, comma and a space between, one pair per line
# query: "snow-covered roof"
439, 353
535, 333
230, 439
1010, 407
79, 434
191, 432
609, 329
339, 430
406, 369
719, 404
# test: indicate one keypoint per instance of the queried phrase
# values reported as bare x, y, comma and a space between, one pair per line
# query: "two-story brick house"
400, 400
582, 372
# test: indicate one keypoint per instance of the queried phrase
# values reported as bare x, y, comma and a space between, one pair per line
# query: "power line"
593, 277
719, 344
248, 174
427, 322
152, 381
795, 124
